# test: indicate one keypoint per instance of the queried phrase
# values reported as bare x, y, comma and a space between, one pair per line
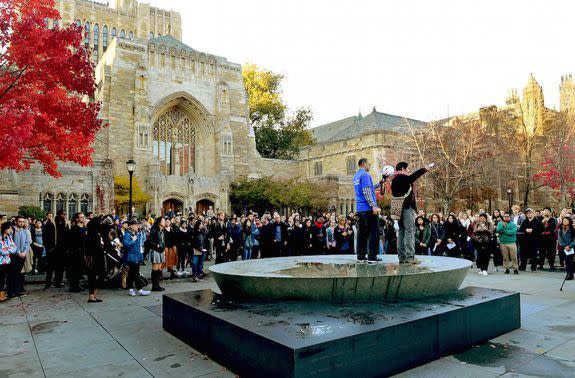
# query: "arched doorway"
203, 206
172, 204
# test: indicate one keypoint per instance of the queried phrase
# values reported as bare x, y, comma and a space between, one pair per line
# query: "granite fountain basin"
339, 278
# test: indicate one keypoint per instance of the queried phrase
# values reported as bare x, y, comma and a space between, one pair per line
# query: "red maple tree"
47, 111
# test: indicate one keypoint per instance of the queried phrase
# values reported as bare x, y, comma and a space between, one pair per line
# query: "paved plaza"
58, 334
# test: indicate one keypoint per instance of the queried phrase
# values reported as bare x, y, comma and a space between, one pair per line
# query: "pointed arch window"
104, 38
87, 35
122, 33
72, 204
113, 33
60, 202
85, 203
174, 143
96, 39
151, 35
131, 35
47, 200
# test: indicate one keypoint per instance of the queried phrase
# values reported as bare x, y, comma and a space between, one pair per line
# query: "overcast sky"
417, 58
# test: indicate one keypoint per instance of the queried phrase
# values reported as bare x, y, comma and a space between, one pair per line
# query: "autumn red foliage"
47, 87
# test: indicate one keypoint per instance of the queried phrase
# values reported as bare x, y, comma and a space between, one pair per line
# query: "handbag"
197, 252
396, 206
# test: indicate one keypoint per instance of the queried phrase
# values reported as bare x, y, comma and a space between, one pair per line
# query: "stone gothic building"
181, 114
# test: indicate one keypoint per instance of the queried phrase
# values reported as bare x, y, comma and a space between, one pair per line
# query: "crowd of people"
109, 250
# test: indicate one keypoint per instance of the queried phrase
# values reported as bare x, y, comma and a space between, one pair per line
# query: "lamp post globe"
131, 165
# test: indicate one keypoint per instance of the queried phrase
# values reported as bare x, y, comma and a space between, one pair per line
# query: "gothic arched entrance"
173, 205
203, 206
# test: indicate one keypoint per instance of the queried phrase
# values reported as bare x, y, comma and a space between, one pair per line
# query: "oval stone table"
339, 278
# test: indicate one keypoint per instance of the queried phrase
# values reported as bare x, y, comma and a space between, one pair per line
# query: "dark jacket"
401, 184
341, 241
437, 232
49, 236
530, 240
218, 230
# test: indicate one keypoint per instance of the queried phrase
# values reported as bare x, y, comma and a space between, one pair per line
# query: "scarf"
402, 173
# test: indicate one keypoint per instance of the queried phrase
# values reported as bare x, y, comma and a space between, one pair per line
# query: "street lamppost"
131, 168
509, 200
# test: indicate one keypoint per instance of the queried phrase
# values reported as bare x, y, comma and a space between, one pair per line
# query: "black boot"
155, 281
569, 277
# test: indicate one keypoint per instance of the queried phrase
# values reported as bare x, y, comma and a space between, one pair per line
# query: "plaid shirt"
7, 247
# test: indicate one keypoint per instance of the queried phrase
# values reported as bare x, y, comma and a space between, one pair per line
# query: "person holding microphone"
367, 213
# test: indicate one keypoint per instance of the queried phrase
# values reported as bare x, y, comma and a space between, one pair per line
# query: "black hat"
133, 222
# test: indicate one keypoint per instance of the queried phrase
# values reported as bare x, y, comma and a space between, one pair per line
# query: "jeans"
196, 265
368, 235
247, 255
406, 237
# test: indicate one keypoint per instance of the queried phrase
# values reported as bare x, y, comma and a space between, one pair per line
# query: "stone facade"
181, 114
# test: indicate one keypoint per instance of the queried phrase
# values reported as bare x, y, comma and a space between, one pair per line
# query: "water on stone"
317, 269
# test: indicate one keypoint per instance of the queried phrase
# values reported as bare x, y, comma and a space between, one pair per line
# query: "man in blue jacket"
133, 258
367, 213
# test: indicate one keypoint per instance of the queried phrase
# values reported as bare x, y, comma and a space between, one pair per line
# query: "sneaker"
480, 272
195, 279
132, 293
185, 273
515, 271
179, 273
484, 273
506, 271
143, 292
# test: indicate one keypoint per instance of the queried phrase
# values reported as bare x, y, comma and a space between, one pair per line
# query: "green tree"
31, 211
267, 194
122, 192
279, 135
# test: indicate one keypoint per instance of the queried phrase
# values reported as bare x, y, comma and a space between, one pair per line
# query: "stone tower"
567, 94
533, 105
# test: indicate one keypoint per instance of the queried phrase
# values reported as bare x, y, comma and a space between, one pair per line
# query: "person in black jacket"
184, 247
279, 235
219, 233
402, 185
76, 252
94, 257
49, 237
548, 246
437, 235
531, 230
453, 232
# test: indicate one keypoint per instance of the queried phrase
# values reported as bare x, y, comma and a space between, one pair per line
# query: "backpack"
396, 206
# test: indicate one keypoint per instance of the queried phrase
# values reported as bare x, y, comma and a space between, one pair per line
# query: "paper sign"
569, 252
451, 245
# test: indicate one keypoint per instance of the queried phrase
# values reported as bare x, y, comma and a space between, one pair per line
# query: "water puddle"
318, 269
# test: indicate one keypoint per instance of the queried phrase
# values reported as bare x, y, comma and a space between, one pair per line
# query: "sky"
415, 58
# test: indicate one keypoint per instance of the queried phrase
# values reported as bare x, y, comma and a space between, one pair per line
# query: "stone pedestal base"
319, 339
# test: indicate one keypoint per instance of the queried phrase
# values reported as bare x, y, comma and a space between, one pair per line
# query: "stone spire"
533, 105
567, 94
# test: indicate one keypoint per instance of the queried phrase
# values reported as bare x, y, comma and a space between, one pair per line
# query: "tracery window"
85, 203
87, 35
72, 204
60, 202
174, 143
105, 38
96, 37
47, 200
